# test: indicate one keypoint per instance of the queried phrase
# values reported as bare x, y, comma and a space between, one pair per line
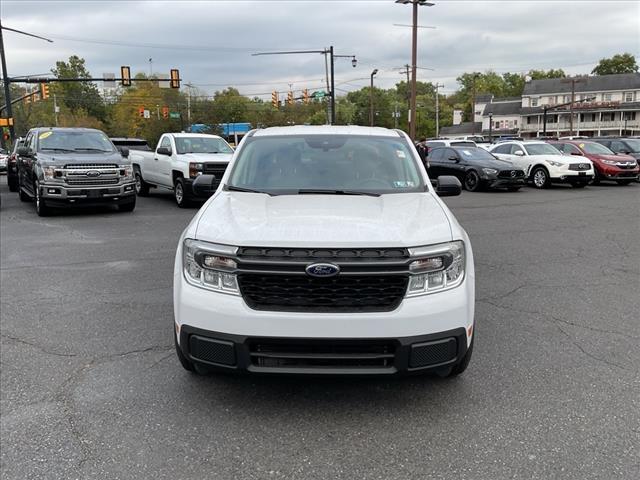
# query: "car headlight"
609, 162
209, 266
126, 170
49, 172
490, 171
195, 169
554, 163
436, 268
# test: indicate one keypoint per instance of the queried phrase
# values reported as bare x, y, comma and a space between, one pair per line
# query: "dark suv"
64, 167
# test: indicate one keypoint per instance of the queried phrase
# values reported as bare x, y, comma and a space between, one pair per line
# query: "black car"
12, 165
66, 167
475, 168
627, 146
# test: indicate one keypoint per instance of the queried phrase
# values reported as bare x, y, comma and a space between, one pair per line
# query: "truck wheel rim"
38, 196
138, 183
179, 193
539, 178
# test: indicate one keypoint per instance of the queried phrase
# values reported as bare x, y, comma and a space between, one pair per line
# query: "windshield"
202, 145
541, 149
475, 153
593, 147
633, 144
74, 140
326, 164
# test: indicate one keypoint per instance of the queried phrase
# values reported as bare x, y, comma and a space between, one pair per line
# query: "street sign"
109, 80
147, 114
318, 94
164, 81
174, 115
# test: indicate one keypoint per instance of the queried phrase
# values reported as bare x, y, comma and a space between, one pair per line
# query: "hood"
338, 221
496, 163
59, 158
206, 157
614, 158
559, 158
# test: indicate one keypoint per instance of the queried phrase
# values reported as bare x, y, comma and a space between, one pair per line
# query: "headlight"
49, 172
554, 163
490, 171
609, 162
209, 266
436, 268
126, 170
195, 169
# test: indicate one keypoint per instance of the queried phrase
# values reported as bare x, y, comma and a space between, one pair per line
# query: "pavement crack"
36, 346
588, 354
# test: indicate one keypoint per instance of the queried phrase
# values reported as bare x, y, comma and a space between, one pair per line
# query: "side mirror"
453, 158
519, 153
204, 185
164, 151
448, 186
23, 151
124, 151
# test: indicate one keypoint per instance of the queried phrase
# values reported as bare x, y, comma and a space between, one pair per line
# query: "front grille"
216, 170
343, 293
579, 166
315, 254
93, 181
511, 174
91, 166
332, 354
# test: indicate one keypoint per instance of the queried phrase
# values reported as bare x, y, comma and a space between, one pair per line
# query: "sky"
212, 42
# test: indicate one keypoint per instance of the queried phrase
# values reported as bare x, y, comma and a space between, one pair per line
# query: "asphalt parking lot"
91, 387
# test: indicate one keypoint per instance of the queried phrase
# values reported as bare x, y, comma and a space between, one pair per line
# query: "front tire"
23, 196
13, 185
472, 181
180, 193
142, 187
41, 206
540, 177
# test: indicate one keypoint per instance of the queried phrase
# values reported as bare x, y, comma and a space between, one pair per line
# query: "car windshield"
201, 145
634, 144
74, 140
475, 153
593, 147
334, 164
541, 149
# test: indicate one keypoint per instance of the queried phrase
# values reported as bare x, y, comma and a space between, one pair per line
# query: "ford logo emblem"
322, 270
93, 173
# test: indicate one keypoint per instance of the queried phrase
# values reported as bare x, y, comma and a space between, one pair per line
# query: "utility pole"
5, 81
55, 109
573, 82
473, 103
438, 85
371, 116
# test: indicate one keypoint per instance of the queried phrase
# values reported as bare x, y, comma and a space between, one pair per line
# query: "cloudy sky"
211, 42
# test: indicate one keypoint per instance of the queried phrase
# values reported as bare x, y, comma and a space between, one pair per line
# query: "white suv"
544, 164
325, 250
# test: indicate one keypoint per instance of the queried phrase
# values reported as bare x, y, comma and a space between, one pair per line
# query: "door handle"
155, 158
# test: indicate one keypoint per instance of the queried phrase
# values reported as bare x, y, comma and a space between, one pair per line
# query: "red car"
622, 169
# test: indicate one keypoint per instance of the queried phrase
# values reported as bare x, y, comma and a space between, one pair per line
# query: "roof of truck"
327, 130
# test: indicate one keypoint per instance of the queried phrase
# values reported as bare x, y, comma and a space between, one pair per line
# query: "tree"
551, 73
621, 63
78, 95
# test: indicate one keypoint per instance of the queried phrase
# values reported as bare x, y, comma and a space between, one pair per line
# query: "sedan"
475, 168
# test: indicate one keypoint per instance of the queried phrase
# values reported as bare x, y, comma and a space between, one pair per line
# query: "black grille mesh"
509, 174
214, 351
323, 253
433, 353
344, 293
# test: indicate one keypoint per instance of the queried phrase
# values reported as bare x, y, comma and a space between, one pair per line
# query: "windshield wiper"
89, 149
233, 188
53, 149
314, 191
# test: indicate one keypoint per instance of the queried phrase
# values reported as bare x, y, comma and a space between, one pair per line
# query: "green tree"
78, 95
621, 63
551, 73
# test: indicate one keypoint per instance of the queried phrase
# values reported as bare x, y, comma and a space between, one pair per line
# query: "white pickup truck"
177, 160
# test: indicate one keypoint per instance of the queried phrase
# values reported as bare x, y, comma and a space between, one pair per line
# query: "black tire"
462, 366
13, 184
186, 364
472, 181
540, 177
180, 193
596, 178
42, 209
142, 187
127, 206
513, 189
623, 182
579, 185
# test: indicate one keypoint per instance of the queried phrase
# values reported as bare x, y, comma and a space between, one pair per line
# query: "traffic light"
175, 78
44, 91
275, 100
165, 112
141, 112
305, 95
290, 98
125, 76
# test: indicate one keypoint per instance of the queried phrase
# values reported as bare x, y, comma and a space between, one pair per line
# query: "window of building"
628, 96
496, 125
534, 101
606, 97
552, 100
607, 117
593, 117
566, 98
529, 120
629, 116
515, 123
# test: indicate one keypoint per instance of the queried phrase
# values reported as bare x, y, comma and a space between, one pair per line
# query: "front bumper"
505, 182
614, 173
325, 356
64, 195
573, 177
